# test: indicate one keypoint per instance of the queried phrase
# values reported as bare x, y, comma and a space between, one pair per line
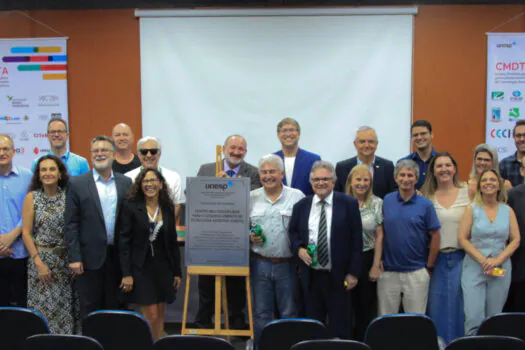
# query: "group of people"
339, 244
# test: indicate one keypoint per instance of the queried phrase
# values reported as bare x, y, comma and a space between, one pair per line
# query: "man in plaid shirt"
509, 167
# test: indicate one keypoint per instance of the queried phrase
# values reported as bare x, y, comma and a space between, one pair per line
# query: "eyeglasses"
519, 136
319, 179
288, 130
150, 181
100, 150
153, 151
56, 132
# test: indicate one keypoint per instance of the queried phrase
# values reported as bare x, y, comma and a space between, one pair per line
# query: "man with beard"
125, 159
93, 206
234, 151
510, 167
58, 134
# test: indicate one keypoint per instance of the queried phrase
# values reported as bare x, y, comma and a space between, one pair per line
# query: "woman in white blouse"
450, 198
364, 295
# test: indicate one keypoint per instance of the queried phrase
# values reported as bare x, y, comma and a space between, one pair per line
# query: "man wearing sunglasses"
150, 150
58, 134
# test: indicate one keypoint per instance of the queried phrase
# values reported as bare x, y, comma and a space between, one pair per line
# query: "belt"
56, 250
274, 260
449, 250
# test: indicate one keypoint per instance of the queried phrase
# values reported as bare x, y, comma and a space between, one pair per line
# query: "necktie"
322, 240
230, 173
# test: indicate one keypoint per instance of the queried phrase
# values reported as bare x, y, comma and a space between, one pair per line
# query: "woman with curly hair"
50, 289
149, 253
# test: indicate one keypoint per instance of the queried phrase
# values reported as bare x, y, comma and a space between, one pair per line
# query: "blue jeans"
445, 298
272, 282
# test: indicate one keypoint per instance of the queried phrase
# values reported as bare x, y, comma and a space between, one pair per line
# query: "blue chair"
61, 342
191, 342
284, 333
118, 330
487, 342
330, 344
402, 331
510, 324
17, 324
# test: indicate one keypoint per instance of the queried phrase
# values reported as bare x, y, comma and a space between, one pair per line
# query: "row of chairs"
115, 330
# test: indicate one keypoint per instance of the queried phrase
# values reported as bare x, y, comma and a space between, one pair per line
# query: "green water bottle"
258, 232
311, 249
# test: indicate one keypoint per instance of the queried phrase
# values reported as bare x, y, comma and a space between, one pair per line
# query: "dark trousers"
99, 289
364, 298
13, 282
516, 298
236, 292
326, 298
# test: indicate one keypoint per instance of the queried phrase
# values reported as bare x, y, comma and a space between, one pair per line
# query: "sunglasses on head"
153, 151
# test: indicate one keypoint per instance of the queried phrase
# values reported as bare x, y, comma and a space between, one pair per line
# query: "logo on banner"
501, 133
56, 115
497, 95
496, 115
48, 101
514, 113
39, 135
4, 77
510, 66
20, 150
38, 151
24, 136
17, 102
13, 119
506, 45
517, 96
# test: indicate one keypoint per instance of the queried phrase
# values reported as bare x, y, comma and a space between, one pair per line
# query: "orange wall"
449, 69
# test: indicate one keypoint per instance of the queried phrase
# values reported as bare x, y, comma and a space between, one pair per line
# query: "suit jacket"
346, 237
383, 175
517, 202
134, 237
245, 170
85, 230
301, 170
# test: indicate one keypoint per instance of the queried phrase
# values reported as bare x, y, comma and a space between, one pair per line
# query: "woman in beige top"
485, 157
450, 198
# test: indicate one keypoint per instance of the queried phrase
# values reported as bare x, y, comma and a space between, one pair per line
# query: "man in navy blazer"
297, 161
382, 169
331, 222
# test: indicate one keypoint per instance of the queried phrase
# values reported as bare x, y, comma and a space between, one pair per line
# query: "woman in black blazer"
149, 253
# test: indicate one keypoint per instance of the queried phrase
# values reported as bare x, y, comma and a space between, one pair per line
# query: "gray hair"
235, 135
365, 128
273, 159
103, 138
149, 138
406, 164
488, 149
322, 164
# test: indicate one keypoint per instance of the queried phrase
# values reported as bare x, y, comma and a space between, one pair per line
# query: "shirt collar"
514, 158
277, 199
14, 171
360, 162
97, 176
328, 199
415, 156
226, 167
65, 156
411, 200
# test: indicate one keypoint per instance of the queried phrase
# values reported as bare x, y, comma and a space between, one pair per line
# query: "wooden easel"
220, 274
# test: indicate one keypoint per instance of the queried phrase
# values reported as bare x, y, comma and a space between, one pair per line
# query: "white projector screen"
204, 78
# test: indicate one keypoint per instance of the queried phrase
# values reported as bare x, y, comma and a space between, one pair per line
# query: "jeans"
445, 298
272, 282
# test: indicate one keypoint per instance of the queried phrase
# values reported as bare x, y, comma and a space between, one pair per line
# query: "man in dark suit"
516, 297
297, 161
93, 205
382, 169
331, 222
234, 150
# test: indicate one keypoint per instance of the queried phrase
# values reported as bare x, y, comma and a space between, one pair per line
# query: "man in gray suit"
93, 206
234, 150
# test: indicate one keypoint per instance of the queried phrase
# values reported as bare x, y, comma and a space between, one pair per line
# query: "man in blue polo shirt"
422, 136
58, 134
14, 182
411, 226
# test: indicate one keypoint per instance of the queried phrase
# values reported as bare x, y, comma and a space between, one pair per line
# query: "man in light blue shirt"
57, 134
14, 183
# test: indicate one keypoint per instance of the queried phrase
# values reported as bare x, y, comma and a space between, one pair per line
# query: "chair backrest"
486, 342
17, 324
402, 331
510, 324
117, 330
191, 342
330, 344
61, 342
284, 333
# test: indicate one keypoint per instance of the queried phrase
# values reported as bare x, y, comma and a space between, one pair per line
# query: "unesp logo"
506, 45
501, 133
222, 186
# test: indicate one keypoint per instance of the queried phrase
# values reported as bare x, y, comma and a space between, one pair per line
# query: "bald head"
123, 137
7, 153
